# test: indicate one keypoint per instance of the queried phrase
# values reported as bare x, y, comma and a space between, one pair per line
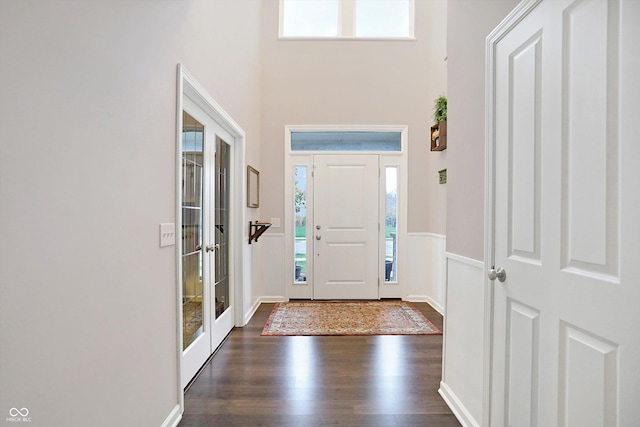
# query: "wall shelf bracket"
256, 229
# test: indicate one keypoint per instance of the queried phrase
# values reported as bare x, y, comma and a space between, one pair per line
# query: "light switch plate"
167, 234
275, 222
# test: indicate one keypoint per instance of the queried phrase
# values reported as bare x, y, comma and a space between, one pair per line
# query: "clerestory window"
347, 19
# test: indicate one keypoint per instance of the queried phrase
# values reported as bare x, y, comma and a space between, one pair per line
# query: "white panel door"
564, 175
346, 226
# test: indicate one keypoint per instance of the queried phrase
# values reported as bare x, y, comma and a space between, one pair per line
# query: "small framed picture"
253, 187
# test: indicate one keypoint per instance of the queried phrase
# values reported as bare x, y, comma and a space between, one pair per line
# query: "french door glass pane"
192, 192
222, 180
300, 215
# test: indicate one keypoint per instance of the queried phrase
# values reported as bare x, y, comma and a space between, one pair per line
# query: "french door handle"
211, 248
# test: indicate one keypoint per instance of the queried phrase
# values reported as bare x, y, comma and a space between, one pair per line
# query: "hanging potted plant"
439, 130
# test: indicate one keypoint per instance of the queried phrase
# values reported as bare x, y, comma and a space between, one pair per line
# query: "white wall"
87, 172
468, 24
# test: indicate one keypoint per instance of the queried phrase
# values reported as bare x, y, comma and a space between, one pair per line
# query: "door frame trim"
187, 86
504, 27
387, 158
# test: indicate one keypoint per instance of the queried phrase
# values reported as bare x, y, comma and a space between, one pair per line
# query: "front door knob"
499, 274
318, 237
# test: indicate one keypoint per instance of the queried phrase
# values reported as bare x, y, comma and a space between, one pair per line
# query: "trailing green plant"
440, 109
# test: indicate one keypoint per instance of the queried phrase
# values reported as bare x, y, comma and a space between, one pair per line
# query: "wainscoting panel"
271, 267
426, 269
462, 354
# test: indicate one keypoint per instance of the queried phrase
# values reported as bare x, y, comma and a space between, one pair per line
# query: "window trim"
347, 27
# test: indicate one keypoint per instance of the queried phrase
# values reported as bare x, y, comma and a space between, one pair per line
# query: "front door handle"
318, 237
498, 273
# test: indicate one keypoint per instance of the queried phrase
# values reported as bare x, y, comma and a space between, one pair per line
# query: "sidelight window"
391, 224
300, 226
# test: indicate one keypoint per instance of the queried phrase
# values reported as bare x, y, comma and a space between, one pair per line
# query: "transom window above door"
346, 141
347, 19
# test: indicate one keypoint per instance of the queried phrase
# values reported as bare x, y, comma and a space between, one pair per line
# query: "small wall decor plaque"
443, 176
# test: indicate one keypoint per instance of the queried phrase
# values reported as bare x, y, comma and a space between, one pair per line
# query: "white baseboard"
457, 407
425, 298
173, 418
437, 307
416, 298
272, 299
260, 300
251, 311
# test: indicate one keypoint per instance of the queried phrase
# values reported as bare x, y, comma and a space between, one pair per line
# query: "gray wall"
356, 83
468, 24
87, 172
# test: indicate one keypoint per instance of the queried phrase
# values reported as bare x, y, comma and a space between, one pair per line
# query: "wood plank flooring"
320, 381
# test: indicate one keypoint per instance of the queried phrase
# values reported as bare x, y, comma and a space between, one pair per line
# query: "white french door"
346, 226
207, 308
565, 208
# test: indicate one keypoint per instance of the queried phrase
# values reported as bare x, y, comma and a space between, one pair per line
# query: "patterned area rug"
348, 318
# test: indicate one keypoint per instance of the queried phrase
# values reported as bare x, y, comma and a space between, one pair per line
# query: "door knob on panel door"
318, 237
499, 274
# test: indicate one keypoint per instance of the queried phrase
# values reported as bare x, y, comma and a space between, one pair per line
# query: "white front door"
563, 185
345, 226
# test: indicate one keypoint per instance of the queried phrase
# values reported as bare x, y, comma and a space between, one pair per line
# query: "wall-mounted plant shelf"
438, 136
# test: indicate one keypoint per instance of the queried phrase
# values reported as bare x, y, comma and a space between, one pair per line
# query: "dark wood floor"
320, 381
